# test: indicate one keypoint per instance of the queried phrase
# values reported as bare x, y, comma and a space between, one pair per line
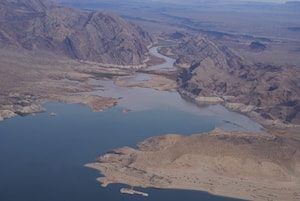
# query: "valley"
207, 96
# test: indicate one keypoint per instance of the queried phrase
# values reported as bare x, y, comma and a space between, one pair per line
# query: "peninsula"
252, 166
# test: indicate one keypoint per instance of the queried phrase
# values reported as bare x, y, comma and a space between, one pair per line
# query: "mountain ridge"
84, 35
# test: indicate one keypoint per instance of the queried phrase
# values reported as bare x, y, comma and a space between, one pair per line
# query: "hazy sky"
279, 1
275, 1
179, 1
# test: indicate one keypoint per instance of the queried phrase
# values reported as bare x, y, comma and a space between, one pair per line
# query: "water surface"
42, 157
167, 65
143, 99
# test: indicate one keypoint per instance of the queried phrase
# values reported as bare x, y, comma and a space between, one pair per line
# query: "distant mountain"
293, 3
257, 46
94, 36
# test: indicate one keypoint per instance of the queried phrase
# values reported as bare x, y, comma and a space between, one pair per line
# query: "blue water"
42, 157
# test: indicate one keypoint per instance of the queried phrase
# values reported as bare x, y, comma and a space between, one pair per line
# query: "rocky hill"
42, 46
265, 91
257, 46
83, 35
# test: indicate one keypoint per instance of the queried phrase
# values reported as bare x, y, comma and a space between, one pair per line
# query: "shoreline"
199, 166
94, 103
71, 89
155, 81
240, 108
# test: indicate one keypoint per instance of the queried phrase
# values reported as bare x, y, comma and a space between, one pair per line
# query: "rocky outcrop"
83, 35
18, 104
94, 102
6, 114
208, 70
257, 46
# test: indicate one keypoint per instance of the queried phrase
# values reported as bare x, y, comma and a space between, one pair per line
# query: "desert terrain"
44, 57
211, 54
251, 166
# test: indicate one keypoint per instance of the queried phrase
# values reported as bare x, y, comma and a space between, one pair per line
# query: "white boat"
133, 192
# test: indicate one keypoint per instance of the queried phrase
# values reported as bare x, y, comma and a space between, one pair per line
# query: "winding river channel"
42, 157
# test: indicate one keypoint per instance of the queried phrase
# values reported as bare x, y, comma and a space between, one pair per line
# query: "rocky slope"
268, 92
48, 52
93, 36
244, 165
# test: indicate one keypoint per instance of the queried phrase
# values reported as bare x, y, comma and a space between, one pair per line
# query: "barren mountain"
244, 165
48, 52
94, 36
263, 90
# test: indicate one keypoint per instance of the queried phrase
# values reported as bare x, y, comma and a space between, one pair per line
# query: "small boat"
133, 192
52, 114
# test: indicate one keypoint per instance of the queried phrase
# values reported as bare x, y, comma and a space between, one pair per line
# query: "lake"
42, 156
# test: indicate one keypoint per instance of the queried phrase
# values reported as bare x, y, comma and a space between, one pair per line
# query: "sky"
179, 1
276, 1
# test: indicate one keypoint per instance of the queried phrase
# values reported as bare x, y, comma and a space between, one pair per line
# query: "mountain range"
40, 25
